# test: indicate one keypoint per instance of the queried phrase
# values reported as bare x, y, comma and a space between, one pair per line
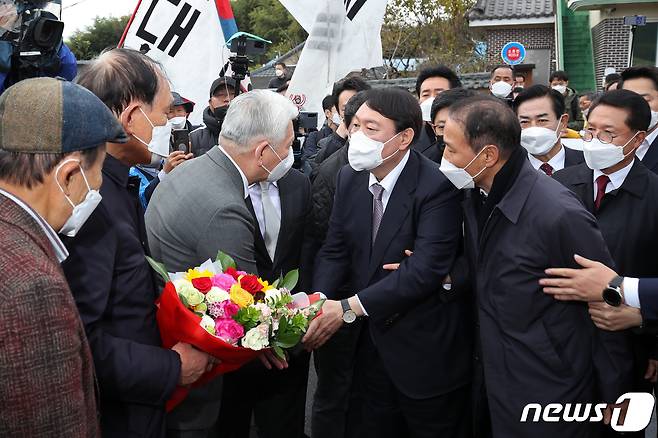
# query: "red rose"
233, 273
203, 284
251, 284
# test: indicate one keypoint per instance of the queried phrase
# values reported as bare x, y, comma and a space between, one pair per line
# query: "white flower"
208, 324
272, 294
216, 295
265, 311
185, 288
257, 338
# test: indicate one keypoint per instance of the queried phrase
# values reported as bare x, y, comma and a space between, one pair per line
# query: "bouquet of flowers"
230, 314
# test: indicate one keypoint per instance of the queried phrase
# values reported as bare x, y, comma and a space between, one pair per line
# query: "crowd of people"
472, 264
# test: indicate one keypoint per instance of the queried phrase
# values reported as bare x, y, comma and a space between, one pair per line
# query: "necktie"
601, 183
272, 219
547, 169
377, 209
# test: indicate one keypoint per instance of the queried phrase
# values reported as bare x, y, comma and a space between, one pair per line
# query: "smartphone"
181, 139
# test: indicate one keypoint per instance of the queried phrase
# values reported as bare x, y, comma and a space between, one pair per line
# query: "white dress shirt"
631, 292
255, 193
388, 184
60, 250
557, 162
644, 147
242, 175
616, 178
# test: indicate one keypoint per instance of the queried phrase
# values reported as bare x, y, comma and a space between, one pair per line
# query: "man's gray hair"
258, 115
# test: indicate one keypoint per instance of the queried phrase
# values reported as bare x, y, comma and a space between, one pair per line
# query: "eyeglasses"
603, 136
438, 129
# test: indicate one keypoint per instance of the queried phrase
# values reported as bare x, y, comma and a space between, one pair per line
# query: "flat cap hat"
52, 115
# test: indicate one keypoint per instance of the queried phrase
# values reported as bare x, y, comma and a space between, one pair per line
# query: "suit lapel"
583, 186
396, 212
287, 205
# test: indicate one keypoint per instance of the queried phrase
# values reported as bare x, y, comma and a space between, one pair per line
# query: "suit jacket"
295, 196
198, 210
651, 158
422, 333
47, 387
648, 293
628, 219
537, 349
426, 144
115, 291
572, 157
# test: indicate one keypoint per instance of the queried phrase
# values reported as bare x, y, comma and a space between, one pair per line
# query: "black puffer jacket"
205, 137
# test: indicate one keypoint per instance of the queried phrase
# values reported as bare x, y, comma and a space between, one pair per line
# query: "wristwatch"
348, 314
612, 294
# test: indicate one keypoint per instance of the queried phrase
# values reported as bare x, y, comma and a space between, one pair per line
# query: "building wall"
530, 37
622, 10
611, 43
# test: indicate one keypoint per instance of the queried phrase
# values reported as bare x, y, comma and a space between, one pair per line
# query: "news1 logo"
638, 414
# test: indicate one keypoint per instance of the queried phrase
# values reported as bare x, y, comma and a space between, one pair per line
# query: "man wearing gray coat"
201, 209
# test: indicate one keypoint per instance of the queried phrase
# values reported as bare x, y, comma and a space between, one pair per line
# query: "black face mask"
518, 90
220, 113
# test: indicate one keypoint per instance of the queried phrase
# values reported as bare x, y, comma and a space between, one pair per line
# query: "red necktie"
547, 169
601, 183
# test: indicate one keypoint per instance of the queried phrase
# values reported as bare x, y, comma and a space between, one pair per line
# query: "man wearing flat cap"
222, 92
52, 147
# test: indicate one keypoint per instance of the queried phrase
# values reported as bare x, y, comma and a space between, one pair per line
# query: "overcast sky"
77, 14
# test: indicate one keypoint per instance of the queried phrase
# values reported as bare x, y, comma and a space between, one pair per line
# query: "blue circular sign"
513, 53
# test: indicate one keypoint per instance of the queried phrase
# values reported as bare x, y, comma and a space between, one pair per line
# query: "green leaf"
159, 268
248, 317
275, 285
288, 335
225, 260
290, 280
183, 300
279, 352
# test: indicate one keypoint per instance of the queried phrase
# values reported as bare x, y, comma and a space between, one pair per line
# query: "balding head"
121, 76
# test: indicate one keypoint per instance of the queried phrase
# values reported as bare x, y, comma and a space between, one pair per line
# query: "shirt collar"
60, 250
616, 178
648, 141
245, 183
557, 162
388, 183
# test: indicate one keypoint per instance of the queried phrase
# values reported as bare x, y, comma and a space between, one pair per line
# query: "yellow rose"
265, 284
195, 273
240, 296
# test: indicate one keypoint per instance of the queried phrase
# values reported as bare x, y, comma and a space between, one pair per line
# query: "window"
645, 47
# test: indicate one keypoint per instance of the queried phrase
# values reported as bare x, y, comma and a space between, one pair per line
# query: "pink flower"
223, 281
225, 309
228, 330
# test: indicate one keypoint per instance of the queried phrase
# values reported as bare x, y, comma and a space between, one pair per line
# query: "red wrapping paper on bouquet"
179, 324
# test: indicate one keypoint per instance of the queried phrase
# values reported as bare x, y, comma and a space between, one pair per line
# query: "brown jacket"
47, 386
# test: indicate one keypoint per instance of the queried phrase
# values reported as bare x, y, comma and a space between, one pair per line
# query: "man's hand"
396, 266
613, 319
174, 159
324, 326
585, 284
652, 371
193, 363
269, 360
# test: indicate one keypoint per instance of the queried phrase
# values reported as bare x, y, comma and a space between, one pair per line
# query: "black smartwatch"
612, 294
348, 314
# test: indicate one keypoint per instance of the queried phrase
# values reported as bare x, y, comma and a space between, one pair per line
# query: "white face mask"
538, 140
458, 176
178, 122
279, 73
282, 168
83, 210
501, 89
365, 153
335, 118
560, 88
600, 155
159, 143
654, 120
426, 108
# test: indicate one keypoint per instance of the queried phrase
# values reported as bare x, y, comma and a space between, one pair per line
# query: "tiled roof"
508, 9
473, 81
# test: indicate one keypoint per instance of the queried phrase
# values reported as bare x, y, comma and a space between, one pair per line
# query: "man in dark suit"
611, 190
431, 82
414, 352
276, 398
543, 115
518, 223
644, 81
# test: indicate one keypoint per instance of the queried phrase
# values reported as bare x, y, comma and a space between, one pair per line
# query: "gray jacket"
196, 211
